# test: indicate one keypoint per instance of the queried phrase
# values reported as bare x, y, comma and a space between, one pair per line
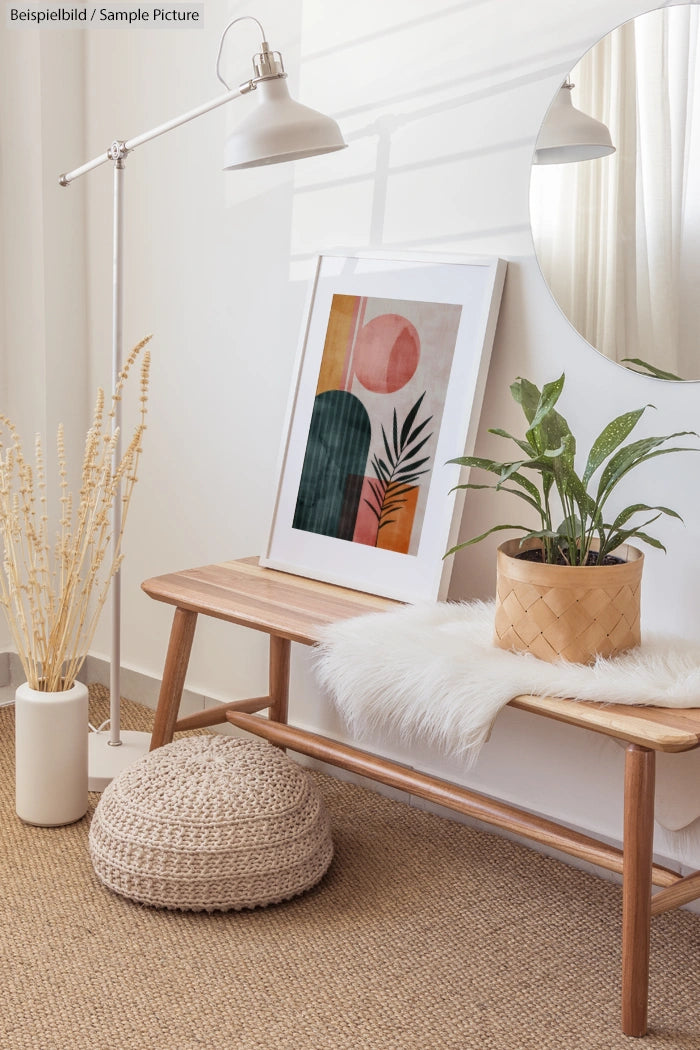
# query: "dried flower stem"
53, 598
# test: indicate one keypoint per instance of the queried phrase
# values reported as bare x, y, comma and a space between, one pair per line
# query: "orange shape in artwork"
394, 536
345, 310
387, 352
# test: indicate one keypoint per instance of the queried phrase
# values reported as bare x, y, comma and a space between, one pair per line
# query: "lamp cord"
242, 18
99, 728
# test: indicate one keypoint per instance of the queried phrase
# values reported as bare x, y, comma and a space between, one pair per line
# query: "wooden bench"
292, 609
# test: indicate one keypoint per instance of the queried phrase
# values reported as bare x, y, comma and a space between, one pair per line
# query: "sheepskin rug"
430, 672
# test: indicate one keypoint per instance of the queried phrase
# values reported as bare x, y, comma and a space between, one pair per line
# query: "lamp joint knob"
117, 151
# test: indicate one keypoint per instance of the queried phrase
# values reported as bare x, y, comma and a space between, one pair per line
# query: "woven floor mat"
423, 935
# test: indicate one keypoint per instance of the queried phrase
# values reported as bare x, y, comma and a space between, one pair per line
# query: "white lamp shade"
280, 129
570, 135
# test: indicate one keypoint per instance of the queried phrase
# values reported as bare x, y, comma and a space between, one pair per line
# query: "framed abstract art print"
389, 382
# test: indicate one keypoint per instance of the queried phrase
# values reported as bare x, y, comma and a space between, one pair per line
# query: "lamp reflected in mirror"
568, 135
617, 233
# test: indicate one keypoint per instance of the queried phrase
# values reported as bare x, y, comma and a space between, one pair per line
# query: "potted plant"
52, 594
570, 587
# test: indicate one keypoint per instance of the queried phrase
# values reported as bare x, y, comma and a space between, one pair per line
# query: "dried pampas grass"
53, 593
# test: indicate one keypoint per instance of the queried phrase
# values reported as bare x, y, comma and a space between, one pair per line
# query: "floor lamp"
279, 130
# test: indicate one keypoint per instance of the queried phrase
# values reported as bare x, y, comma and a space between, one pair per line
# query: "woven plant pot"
573, 613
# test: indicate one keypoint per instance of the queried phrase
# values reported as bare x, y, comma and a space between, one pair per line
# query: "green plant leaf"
625, 515
527, 395
494, 465
472, 485
647, 369
532, 501
511, 469
616, 540
551, 392
570, 526
519, 479
549, 430
541, 534
632, 455
477, 539
505, 471
556, 437
553, 453
524, 483
610, 438
571, 485
524, 446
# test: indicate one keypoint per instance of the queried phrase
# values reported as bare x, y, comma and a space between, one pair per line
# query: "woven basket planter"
563, 612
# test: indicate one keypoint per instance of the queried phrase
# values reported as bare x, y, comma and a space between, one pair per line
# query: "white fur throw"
430, 672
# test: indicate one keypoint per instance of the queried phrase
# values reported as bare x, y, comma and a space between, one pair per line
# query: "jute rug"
423, 935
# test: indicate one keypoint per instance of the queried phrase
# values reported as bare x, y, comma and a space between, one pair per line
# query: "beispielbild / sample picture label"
124, 16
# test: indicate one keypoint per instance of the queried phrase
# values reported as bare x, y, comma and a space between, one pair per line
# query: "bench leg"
636, 887
280, 655
176, 661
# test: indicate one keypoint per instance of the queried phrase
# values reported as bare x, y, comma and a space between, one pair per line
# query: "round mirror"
614, 204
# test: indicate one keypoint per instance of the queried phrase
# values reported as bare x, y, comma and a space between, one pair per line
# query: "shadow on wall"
412, 171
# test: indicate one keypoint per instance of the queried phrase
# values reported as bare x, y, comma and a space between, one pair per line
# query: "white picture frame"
390, 376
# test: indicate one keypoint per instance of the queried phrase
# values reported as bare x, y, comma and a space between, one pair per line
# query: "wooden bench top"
294, 607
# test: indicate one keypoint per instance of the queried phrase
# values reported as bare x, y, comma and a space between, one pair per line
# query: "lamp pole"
117, 364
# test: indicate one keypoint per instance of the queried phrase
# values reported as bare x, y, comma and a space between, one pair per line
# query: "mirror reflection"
618, 237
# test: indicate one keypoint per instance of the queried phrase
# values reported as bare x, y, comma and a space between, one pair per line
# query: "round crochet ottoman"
211, 823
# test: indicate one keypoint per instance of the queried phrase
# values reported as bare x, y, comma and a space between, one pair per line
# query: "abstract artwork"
377, 411
393, 362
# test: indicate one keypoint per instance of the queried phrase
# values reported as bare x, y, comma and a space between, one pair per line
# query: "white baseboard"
143, 688
12, 673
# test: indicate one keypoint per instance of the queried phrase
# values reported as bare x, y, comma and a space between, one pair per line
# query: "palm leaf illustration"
399, 468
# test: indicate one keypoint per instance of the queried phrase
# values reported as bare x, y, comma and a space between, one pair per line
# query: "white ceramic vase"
51, 755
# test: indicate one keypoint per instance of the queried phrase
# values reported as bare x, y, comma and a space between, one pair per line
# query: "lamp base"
106, 761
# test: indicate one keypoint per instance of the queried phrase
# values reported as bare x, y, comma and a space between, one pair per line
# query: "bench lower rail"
452, 796
685, 890
216, 716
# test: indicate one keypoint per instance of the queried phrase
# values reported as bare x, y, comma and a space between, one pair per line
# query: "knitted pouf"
211, 823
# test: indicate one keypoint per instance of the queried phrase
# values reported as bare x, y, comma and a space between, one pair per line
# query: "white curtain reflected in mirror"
618, 238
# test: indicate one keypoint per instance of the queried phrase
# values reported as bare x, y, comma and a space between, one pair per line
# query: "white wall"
441, 104
43, 325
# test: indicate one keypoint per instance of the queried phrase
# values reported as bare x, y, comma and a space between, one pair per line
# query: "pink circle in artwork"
387, 351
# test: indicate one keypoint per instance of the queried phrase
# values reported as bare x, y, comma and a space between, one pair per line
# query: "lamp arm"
118, 150
268, 66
